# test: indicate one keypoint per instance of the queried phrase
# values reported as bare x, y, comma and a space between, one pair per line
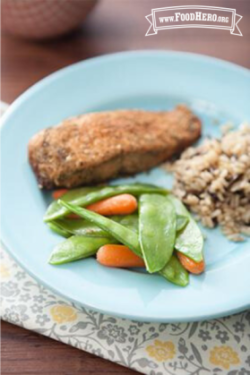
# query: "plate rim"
116, 55
139, 318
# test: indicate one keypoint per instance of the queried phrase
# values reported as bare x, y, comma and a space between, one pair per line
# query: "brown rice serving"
213, 180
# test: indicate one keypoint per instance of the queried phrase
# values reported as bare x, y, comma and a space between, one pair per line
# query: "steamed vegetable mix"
66, 227
78, 227
122, 257
77, 247
55, 210
157, 230
190, 240
85, 196
116, 230
161, 236
123, 204
123, 235
69, 227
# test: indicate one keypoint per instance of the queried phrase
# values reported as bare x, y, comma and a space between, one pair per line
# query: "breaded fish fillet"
96, 147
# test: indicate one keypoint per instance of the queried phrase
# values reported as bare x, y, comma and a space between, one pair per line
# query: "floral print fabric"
216, 347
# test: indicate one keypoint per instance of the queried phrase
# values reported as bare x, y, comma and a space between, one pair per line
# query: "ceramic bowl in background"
42, 19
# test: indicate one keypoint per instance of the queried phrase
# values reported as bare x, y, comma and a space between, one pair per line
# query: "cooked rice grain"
213, 180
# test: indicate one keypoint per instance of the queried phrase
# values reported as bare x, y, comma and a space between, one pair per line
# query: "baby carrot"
59, 193
190, 265
123, 204
118, 256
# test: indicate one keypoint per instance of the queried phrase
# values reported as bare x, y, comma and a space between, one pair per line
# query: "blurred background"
42, 36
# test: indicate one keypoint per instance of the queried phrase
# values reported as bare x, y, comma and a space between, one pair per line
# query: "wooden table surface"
114, 25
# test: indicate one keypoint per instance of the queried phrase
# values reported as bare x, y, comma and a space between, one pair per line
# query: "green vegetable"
128, 221
57, 229
86, 196
126, 236
189, 241
157, 230
118, 231
77, 247
181, 222
55, 210
80, 227
131, 221
175, 272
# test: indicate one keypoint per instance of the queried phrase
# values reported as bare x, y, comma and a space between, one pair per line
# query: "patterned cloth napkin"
219, 346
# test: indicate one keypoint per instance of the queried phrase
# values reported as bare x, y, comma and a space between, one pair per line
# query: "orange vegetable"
59, 193
190, 265
122, 204
118, 256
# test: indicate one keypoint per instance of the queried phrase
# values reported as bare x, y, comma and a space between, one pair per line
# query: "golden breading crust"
96, 147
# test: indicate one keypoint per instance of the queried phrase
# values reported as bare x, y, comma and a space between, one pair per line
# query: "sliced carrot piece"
118, 256
190, 265
122, 204
59, 193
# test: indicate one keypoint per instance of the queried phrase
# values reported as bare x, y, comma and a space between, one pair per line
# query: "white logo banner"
193, 16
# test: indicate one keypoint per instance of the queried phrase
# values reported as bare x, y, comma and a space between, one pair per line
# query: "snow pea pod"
59, 230
82, 227
55, 210
189, 241
85, 197
67, 227
126, 237
77, 247
118, 231
157, 230
181, 222
128, 221
132, 222
175, 272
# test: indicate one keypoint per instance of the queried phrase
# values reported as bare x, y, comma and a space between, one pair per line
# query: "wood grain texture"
25, 352
113, 26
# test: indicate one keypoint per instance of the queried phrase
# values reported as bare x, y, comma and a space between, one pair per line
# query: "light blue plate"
216, 90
